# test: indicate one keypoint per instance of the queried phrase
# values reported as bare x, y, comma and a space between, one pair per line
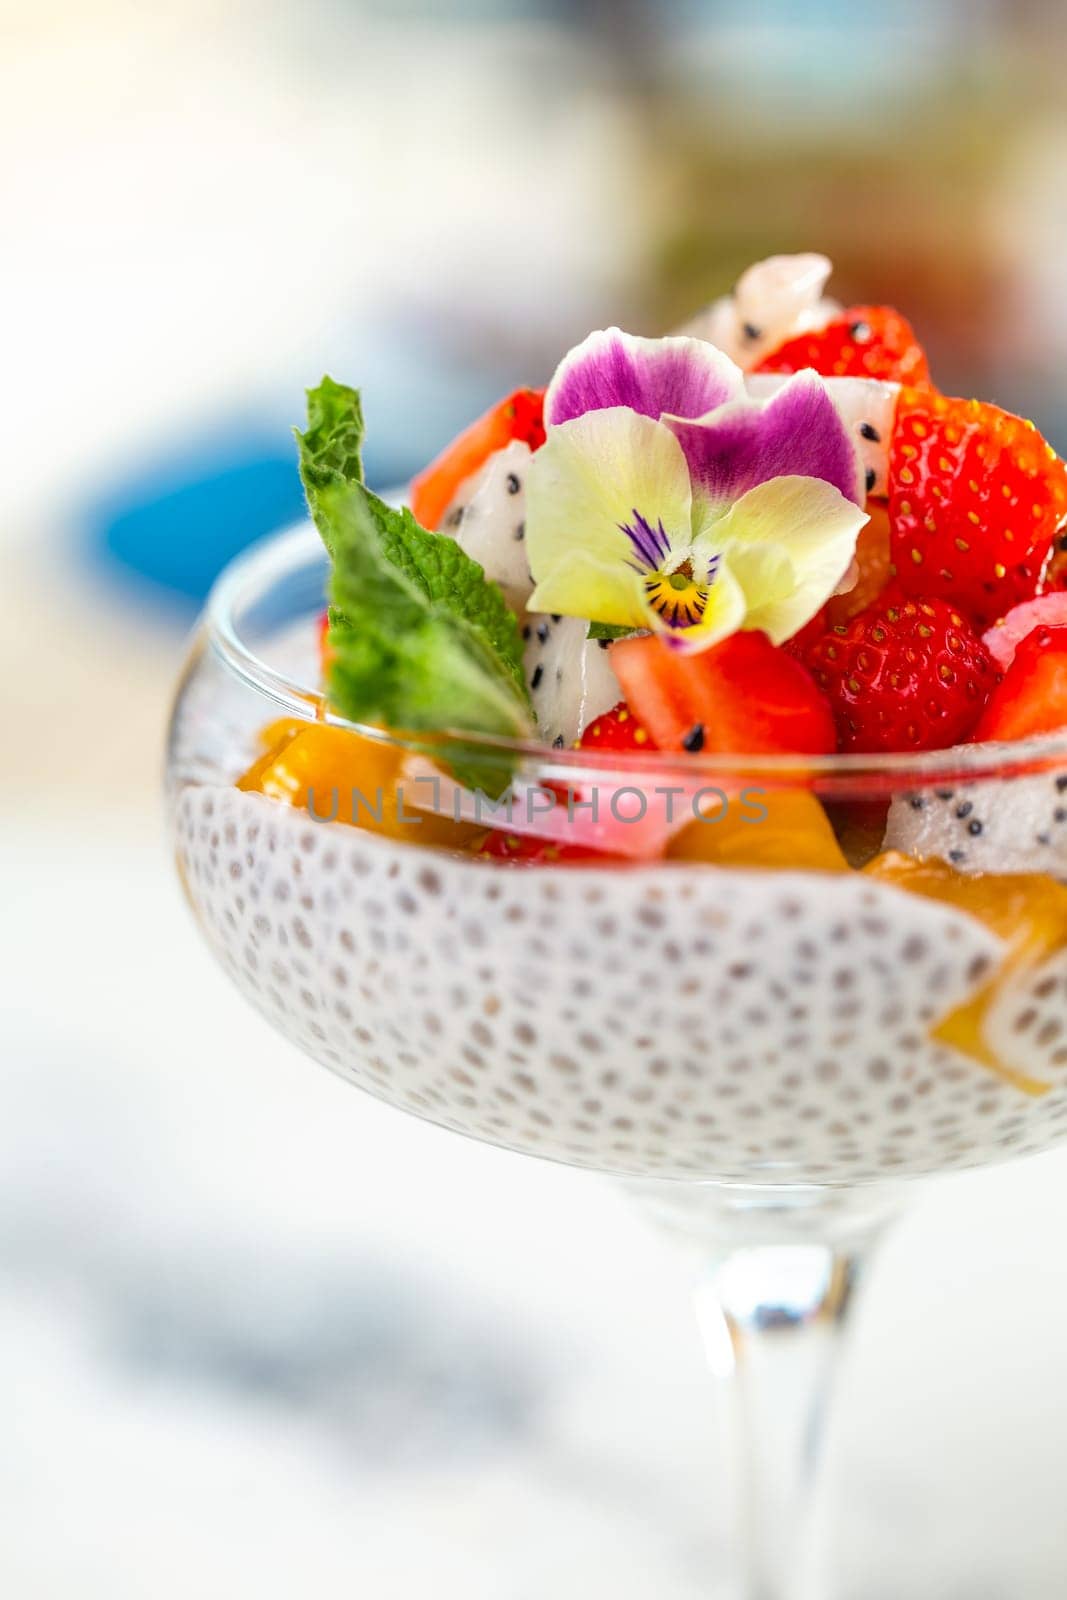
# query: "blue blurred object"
175, 522
180, 520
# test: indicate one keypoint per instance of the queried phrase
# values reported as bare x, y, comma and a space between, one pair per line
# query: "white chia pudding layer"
664, 1021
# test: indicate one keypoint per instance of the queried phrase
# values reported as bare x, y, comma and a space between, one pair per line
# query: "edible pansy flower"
665, 498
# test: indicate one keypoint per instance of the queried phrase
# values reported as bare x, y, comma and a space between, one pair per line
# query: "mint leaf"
448, 577
331, 448
419, 638
608, 630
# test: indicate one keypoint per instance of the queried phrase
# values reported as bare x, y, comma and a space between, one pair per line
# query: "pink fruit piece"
1004, 638
614, 813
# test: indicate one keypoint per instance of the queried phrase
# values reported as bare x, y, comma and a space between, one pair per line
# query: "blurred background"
256, 1334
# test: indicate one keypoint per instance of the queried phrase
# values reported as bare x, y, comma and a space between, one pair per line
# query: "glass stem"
778, 1273
772, 1319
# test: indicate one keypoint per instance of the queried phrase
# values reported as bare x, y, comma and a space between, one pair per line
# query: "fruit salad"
685, 786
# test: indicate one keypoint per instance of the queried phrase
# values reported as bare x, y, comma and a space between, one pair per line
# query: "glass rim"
268, 562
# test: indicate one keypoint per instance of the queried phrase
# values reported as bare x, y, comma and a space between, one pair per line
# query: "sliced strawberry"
975, 498
1004, 638
1033, 696
617, 729
519, 416
862, 342
742, 696
907, 676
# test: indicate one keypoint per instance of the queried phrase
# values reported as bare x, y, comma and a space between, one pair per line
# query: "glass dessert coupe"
769, 1054
726, 856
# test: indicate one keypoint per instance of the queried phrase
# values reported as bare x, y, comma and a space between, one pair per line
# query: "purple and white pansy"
666, 498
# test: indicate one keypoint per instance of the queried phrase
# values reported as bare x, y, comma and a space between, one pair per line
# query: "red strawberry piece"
1033, 696
742, 696
617, 729
518, 416
862, 342
906, 676
1004, 638
809, 634
975, 498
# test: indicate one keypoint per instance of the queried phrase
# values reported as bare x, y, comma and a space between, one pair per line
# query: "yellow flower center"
676, 596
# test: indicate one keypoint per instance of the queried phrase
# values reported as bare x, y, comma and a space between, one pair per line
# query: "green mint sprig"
419, 638
331, 448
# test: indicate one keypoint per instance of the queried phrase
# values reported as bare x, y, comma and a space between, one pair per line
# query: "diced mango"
341, 776
272, 741
1014, 906
1028, 911
795, 833
275, 734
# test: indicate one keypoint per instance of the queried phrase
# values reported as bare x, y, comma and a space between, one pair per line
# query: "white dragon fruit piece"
867, 407
986, 826
571, 679
772, 301
488, 519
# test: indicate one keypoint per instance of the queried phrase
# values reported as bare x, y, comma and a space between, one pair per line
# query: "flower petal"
581, 586
765, 572
867, 407
800, 521
588, 482
797, 433
685, 377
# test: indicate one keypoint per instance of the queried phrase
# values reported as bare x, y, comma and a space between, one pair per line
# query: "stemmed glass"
769, 1058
